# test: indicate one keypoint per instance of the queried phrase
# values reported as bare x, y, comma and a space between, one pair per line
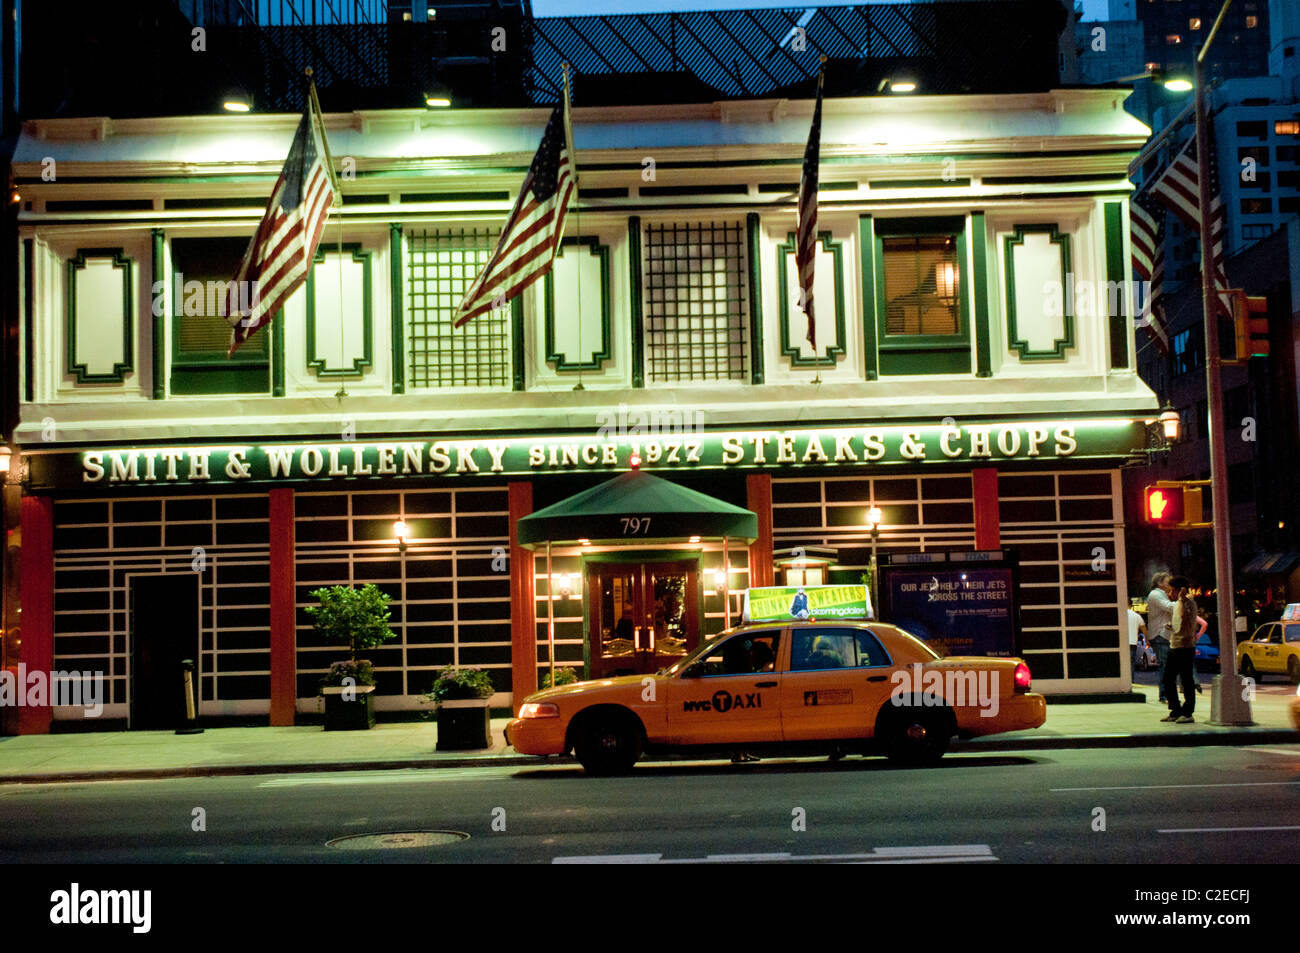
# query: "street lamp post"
874, 517
1228, 700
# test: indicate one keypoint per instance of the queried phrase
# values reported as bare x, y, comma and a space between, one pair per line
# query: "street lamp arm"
1200, 57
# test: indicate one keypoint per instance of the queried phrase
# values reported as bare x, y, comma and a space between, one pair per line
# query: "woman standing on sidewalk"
1160, 610
1182, 654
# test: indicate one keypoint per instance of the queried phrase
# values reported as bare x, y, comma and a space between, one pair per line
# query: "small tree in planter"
464, 722
357, 618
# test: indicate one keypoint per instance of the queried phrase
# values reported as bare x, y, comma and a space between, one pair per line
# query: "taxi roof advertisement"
784, 603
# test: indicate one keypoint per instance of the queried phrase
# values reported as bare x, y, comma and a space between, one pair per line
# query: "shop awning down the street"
637, 507
1269, 563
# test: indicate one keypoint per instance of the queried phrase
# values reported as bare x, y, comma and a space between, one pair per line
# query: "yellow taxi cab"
790, 686
1273, 650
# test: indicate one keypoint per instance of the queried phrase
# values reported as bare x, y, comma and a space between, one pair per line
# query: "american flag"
1147, 227
805, 252
531, 236
282, 249
1178, 189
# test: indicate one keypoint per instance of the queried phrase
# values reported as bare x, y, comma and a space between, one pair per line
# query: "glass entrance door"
644, 616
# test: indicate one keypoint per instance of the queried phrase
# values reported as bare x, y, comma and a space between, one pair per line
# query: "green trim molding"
867, 263
120, 368
635, 292
315, 363
754, 231
398, 347
606, 350
833, 353
518, 366
1014, 341
902, 354
158, 342
980, 266
1118, 273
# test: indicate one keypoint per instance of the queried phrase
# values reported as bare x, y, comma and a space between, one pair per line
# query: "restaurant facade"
654, 403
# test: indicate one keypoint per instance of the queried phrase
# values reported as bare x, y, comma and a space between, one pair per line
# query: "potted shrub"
464, 722
563, 676
357, 618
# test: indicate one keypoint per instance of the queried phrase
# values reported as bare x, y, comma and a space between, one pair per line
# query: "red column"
523, 599
37, 593
988, 526
758, 493
284, 617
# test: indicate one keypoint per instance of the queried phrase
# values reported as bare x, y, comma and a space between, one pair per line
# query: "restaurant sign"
820, 450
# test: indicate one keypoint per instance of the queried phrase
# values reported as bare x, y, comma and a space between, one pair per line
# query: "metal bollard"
191, 724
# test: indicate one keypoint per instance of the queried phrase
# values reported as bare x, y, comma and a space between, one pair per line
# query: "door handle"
876, 678
765, 684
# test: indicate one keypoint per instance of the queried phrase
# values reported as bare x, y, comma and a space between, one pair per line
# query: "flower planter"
464, 725
349, 715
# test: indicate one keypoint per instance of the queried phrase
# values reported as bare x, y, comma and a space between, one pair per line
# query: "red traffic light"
1163, 505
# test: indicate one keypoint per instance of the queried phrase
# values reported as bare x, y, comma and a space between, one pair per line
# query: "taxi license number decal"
836, 696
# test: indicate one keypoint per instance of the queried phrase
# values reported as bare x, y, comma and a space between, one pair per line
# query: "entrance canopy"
634, 508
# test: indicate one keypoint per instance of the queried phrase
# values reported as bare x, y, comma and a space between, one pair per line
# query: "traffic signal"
1163, 505
1250, 331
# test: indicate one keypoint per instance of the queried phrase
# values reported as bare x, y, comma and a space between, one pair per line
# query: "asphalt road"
1203, 805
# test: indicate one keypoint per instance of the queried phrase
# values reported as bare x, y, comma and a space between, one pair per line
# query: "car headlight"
542, 710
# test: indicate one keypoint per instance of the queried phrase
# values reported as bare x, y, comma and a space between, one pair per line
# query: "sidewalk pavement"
87, 756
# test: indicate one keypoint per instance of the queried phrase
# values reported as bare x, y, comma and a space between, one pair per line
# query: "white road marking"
954, 854
1153, 787
1208, 830
1292, 752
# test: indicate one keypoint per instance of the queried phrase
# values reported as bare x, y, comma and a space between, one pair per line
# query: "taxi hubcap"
916, 732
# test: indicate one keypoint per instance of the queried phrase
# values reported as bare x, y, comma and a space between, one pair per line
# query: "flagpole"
577, 211
319, 115
1228, 704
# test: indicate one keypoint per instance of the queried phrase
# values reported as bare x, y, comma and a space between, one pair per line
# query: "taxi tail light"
1021, 677
539, 710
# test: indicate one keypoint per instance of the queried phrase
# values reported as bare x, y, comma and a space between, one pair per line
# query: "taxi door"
729, 694
1263, 650
838, 677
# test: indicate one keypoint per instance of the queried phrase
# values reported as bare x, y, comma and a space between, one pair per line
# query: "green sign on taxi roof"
785, 603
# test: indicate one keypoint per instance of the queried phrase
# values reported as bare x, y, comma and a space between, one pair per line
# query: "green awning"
634, 508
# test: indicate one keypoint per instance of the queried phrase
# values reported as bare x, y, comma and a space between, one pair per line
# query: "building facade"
974, 378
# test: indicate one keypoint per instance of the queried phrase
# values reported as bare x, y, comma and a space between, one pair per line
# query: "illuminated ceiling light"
237, 101
902, 86
695, 539
437, 97
584, 542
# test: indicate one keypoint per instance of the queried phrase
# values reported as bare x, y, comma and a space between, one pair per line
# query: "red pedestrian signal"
1163, 505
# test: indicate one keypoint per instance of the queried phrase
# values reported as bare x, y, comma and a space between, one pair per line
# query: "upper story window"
921, 296
1286, 127
922, 284
441, 265
201, 271
696, 302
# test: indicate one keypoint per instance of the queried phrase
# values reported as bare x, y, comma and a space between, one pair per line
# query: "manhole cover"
396, 840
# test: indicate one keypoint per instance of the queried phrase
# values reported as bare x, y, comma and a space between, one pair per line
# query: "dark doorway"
164, 632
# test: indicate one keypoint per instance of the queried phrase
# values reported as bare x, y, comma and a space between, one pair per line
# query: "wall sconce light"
566, 585
401, 531
874, 517
719, 581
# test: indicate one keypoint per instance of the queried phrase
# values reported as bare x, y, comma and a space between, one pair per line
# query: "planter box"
464, 725
354, 715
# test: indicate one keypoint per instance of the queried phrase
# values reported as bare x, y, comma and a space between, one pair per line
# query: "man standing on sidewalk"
1182, 654
1160, 611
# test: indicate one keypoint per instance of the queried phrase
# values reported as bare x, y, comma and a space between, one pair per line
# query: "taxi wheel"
1247, 668
918, 737
607, 744
1293, 670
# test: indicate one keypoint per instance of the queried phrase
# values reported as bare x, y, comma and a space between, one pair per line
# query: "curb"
1186, 739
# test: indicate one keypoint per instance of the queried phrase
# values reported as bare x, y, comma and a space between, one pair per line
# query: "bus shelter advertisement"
964, 611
